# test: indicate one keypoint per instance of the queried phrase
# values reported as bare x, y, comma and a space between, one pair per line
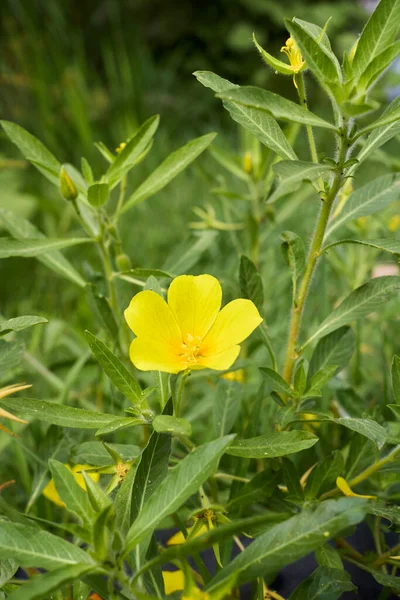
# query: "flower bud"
123, 262
67, 186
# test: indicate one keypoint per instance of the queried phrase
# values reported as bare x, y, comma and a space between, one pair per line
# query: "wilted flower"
190, 332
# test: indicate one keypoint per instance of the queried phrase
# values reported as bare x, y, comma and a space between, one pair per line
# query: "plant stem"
382, 558
178, 402
313, 255
301, 90
264, 334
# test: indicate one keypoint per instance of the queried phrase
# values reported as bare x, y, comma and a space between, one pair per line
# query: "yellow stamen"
294, 55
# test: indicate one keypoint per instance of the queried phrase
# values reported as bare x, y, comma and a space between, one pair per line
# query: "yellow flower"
190, 332
173, 581
120, 147
294, 55
51, 493
234, 375
347, 491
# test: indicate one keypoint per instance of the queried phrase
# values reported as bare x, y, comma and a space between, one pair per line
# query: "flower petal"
174, 581
150, 317
236, 321
148, 355
195, 302
219, 362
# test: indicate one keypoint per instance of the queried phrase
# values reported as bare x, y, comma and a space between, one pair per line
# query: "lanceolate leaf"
172, 425
295, 254
383, 134
358, 304
19, 323
391, 245
116, 371
183, 481
277, 106
31, 547
375, 195
7, 570
132, 151
169, 169
28, 247
376, 67
58, 414
390, 116
378, 33
271, 445
70, 492
291, 171
335, 348
324, 475
367, 427
326, 583
251, 284
21, 228
42, 585
286, 542
276, 382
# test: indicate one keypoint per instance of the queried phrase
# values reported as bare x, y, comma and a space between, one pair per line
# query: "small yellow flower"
234, 376
174, 581
294, 55
347, 491
190, 332
51, 493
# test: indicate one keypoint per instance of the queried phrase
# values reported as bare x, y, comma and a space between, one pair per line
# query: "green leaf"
10, 358
258, 489
98, 194
215, 82
390, 245
370, 198
130, 154
324, 475
226, 408
377, 34
292, 171
120, 423
396, 378
287, 542
278, 106
101, 307
327, 556
251, 284
377, 66
324, 584
180, 483
387, 511
390, 116
21, 228
319, 380
74, 497
295, 255
31, 547
390, 581
172, 425
19, 323
28, 247
367, 427
395, 408
58, 414
186, 255
272, 445
362, 301
115, 370
41, 585
276, 382
336, 348
34, 151
169, 169
230, 162
94, 453
7, 570
382, 134
317, 56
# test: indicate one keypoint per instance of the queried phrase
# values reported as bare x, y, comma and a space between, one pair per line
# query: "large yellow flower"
190, 332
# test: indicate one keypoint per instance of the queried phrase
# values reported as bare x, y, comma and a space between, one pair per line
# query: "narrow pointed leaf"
27, 248
336, 348
292, 171
272, 445
19, 323
74, 497
367, 427
41, 585
390, 245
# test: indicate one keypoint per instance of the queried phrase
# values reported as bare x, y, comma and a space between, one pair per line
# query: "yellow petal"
219, 362
50, 491
195, 302
236, 321
173, 581
178, 538
347, 491
150, 318
148, 355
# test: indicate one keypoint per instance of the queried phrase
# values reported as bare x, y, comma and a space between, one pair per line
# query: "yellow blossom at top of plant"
190, 331
50, 491
294, 55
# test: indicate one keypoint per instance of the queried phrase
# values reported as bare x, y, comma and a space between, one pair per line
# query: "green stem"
313, 255
178, 402
301, 90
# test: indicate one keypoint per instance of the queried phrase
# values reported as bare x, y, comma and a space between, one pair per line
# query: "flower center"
190, 348
294, 55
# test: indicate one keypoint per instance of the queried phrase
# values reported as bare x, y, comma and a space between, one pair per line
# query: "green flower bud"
67, 186
123, 262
